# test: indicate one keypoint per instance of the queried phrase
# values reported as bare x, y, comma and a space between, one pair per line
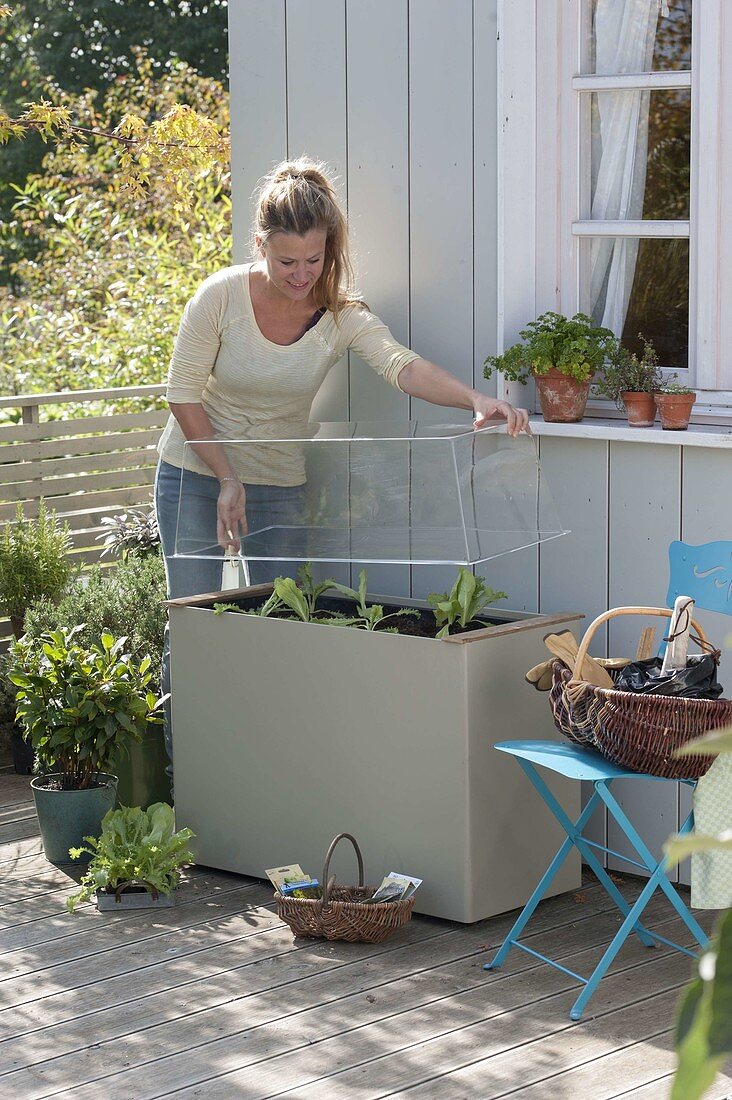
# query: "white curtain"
625, 32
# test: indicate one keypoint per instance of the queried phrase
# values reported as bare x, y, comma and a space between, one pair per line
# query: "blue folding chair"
704, 573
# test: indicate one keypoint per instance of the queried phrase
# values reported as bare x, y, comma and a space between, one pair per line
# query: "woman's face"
294, 263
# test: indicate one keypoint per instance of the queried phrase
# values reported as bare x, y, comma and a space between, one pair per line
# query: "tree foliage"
130, 212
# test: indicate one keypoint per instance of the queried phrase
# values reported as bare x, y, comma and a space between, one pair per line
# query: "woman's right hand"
231, 514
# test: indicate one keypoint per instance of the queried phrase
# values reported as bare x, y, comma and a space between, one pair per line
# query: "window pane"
640, 286
637, 36
640, 154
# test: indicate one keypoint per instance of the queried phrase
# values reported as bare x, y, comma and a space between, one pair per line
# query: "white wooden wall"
399, 97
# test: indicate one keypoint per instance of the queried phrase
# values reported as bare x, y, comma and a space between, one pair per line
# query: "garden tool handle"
659, 612
326, 867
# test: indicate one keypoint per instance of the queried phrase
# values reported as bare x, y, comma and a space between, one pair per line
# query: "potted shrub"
78, 705
34, 562
125, 601
137, 860
562, 354
632, 382
675, 403
334, 709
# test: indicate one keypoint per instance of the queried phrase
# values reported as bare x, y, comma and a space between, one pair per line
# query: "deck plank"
215, 998
246, 993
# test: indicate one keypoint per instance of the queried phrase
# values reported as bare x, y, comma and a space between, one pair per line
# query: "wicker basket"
639, 732
341, 913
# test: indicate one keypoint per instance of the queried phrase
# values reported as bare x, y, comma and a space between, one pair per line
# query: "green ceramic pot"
66, 817
140, 768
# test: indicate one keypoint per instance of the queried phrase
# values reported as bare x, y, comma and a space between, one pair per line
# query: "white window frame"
540, 165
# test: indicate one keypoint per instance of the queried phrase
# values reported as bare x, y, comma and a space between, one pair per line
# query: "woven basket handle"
659, 612
326, 884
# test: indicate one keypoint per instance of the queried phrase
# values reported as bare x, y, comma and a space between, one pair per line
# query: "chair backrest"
702, 572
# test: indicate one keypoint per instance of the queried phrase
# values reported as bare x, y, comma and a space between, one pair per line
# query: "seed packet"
395, 887
281, 876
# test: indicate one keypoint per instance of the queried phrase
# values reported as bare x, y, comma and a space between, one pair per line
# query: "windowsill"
697, 435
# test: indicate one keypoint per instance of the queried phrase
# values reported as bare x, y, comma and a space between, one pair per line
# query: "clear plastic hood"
391, 493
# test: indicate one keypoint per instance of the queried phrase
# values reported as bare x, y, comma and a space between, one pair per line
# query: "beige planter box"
287, 733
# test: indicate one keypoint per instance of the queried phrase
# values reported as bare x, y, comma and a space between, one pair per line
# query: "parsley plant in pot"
137, 860
77, 706
632, 382
562, 354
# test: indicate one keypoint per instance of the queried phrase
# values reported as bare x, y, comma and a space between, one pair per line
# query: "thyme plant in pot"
34, 563
632, 382
675, 402
77, 706
137, 860
562, 354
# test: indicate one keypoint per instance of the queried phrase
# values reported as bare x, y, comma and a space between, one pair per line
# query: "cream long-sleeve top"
254, 389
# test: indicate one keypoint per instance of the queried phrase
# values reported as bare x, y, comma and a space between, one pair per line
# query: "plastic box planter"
287, 733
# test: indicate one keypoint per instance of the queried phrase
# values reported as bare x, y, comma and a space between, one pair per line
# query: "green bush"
33, 562
126, 601
79, 705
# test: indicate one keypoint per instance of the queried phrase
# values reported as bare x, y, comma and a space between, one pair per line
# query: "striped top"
252, 388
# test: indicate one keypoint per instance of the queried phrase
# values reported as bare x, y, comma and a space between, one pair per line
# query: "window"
611, 175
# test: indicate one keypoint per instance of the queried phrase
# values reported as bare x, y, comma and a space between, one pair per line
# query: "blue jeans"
266, 505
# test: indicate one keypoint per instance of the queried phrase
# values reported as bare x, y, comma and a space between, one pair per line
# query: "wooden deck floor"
214, 999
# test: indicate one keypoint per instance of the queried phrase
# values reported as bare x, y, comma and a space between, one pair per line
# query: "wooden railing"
84, 467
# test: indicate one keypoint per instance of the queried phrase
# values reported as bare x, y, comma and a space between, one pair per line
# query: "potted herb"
137, 860
126, 600
34, 562
562, 354
78, 705
632, 382
675, 403
132, 534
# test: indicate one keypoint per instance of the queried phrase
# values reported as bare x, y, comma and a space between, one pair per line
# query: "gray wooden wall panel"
485, 183
706, 516
573, 569
644, 517
441, 204
378, 205
258, 105
317, 126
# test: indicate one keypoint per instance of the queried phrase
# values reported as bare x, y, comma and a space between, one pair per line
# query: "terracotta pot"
675, 410
562, 399
640, 407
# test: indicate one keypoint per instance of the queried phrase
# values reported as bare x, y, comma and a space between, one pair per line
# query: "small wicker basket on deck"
341, 913
635, 731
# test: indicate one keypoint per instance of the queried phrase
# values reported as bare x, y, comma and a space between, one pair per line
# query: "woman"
254, 345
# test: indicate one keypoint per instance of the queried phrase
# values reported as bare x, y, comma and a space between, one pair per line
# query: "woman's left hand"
487, 408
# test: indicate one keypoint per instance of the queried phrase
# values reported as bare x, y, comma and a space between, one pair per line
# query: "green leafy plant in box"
370, 617
77, 705
135, 847
704, 1024
463, 604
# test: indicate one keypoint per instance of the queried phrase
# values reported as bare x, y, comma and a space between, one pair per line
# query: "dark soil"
57, 785
421, 627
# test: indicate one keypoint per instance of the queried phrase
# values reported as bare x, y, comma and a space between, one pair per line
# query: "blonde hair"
296, 197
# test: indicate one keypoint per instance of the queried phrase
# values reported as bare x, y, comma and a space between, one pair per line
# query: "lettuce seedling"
464, 603
370, 617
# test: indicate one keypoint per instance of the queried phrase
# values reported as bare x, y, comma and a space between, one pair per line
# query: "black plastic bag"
697, 681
